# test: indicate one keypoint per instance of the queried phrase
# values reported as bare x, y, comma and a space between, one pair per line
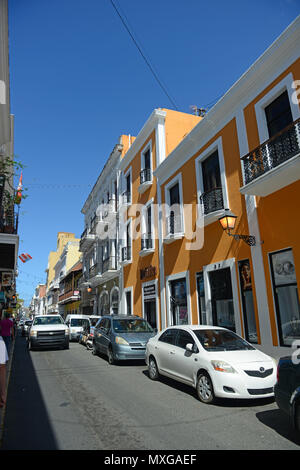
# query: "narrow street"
72, 400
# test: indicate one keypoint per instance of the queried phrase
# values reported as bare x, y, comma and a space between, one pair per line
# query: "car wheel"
153, 369
110, 355
205, 390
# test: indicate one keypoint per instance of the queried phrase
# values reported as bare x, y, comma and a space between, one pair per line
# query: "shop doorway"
222, 298
150, 312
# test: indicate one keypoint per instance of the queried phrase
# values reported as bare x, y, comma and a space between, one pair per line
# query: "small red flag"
25, 257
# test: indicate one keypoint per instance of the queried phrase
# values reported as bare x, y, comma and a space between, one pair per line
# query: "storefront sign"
149, 292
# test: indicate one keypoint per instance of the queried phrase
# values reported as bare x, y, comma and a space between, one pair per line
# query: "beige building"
52, 283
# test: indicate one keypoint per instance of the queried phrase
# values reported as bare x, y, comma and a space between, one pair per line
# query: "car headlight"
120, 340
67, 331
33, 333
222, 366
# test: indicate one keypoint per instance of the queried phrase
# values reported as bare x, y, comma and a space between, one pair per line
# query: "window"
212, 197
201, 298
174, 210
278, 114
211, 182
184, 338
146, 166
179, 309
147, 240
126, 250
247, 301
128, 302
127, 192
169, 336
286, 296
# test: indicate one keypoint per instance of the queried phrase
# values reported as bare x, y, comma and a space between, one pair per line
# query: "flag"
24, 257
19, 191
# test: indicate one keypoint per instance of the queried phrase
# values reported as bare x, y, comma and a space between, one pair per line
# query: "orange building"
184, 171
141, 247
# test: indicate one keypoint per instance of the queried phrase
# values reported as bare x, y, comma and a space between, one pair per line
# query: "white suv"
48, 331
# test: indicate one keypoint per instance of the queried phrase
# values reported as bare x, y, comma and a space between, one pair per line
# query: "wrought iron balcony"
126, 197
109, 264
212, 201
147, 242
174, 224
9, 223
273, 152
126, 253
146, 176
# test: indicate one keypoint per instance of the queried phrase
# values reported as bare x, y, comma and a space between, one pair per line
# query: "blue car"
122, 337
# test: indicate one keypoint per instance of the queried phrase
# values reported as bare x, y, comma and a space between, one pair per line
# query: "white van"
76, 324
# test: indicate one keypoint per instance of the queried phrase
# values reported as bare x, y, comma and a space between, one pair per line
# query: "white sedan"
213, 360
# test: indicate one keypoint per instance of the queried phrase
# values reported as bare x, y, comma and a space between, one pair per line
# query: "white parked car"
213, 360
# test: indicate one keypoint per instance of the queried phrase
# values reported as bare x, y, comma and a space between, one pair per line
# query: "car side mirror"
189, 347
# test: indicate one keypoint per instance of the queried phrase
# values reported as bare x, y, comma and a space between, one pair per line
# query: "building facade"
99, 244
52, 275
69, 293
241, 159
9, 239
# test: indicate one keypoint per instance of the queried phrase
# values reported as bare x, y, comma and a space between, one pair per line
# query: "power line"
144, 57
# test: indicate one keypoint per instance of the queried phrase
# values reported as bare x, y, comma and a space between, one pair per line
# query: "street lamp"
228, 221
89, 289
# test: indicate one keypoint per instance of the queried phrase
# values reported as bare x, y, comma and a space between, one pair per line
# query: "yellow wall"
279, 222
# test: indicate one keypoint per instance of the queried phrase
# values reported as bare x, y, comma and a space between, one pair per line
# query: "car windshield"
131, 326
94, 321
48, 321
221, 340
78, 321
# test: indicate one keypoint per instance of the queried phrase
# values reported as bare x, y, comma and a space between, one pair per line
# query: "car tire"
153, 369
94, 350
205, 390
111, 357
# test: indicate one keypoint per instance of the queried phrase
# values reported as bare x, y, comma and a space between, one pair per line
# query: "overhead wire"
144, 56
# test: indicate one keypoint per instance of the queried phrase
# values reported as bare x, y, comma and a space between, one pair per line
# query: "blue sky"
78, 82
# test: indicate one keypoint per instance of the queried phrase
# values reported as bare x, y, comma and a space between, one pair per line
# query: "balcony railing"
9, 223
146, 176
146, 242
280, 148
174, 223
212, 201
109, 264
126, 253
126, 197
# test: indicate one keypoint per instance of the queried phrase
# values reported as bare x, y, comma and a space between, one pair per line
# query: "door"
222, 298
165, 350
102, 336
150, 312
184, 361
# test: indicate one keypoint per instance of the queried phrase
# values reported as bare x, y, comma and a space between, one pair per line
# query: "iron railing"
146, 242
145, 176
174, 223
212, 200
280, 148
126, 253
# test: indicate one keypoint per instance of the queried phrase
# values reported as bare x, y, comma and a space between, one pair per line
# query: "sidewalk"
8, 371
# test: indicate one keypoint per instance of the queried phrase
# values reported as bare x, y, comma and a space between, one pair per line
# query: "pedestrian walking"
7, 331
3, 361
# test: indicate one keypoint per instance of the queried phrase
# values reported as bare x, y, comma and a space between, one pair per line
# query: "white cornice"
156, 116
274, 61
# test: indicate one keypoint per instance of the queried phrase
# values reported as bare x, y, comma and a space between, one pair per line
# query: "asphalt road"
72, 400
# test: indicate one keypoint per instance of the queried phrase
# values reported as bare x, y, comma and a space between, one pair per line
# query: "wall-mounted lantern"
228, 221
